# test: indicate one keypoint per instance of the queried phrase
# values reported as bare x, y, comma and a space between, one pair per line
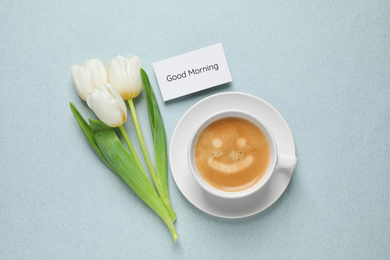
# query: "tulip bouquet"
106, 93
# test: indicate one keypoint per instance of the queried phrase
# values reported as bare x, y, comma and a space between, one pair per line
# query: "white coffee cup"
276, 160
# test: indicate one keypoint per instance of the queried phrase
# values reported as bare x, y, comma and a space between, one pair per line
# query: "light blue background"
325, 65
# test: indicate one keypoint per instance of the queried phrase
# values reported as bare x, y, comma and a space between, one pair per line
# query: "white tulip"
108, 105
87, 77
124, 74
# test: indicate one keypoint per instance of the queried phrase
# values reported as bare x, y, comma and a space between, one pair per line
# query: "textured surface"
324, 66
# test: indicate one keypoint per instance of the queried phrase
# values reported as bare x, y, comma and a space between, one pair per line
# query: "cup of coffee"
232, 154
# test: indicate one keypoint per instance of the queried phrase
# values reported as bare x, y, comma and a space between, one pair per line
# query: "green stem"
168, 206
131, 148
144, 149
172, 228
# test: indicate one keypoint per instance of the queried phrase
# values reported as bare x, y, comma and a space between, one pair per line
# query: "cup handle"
286, 161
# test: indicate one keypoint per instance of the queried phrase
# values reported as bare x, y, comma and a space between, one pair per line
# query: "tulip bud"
87, 77
124, 74
108, 105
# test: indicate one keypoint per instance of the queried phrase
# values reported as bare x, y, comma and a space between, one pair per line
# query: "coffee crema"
232, 154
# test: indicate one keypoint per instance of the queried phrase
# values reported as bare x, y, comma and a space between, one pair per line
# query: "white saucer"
230, 208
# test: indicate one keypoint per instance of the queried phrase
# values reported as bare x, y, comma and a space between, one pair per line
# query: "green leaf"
128, 169
160, 142
88, 134
149, 99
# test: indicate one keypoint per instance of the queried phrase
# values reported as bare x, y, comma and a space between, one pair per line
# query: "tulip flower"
87, 77
108, 105
110, 108
124, 75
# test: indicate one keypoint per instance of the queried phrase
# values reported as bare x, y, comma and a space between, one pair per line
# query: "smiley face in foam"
238, 162
232, 154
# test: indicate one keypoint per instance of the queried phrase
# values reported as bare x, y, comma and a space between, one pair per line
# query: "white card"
193, 71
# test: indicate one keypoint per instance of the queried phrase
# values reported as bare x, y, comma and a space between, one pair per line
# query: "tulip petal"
82, 81
119, 101
133, 70
117, 76
96, 72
